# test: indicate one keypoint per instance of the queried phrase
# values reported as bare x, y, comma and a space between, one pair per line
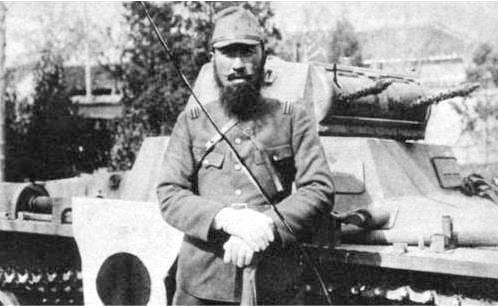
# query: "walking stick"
249, 295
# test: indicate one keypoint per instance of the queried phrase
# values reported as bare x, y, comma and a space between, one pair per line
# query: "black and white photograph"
249, 153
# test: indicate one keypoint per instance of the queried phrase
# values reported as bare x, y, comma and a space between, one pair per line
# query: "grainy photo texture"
248, 153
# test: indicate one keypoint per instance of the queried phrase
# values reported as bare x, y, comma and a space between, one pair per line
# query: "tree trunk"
3, 12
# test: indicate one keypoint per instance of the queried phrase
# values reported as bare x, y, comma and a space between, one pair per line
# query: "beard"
243, 100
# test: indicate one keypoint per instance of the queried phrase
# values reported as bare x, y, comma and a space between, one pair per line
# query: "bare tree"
3, 12
60, 27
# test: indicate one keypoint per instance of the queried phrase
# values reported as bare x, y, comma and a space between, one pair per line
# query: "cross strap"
266, 161
209, 145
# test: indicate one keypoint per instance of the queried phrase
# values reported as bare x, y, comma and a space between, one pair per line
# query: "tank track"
351, 284
40, 269
42, 285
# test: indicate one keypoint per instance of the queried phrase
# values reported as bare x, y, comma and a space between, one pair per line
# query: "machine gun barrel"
460, 91
375, 89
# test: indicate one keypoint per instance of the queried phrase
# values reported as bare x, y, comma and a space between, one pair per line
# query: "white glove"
237, 252
255, 228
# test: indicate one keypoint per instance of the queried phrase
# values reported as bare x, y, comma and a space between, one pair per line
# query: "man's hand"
237, 252
255, 228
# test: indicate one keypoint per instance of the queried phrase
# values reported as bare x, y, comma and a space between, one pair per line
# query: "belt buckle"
239, 205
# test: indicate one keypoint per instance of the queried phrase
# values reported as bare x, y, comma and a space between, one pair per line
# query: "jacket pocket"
279, 153
213, 159
282, 161
275, 154
205, 160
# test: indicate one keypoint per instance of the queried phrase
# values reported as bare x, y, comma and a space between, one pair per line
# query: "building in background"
106, 92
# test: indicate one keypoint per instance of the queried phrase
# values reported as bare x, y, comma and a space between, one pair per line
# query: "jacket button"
238, 140
238, 192
248, 131
237, 167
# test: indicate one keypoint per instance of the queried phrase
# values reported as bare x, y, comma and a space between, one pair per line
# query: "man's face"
238, 64
238, 70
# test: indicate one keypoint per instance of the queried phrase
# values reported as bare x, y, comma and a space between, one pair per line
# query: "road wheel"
8, 298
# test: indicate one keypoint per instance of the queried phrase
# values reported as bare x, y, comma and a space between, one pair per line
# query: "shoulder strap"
193, 110
217, 137
209, 145
288, 107
267, 163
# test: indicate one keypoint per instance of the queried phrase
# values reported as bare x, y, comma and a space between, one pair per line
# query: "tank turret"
371, 103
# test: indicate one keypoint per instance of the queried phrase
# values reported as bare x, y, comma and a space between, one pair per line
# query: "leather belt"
257, 207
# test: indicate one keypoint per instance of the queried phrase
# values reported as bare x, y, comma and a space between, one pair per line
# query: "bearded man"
205, 193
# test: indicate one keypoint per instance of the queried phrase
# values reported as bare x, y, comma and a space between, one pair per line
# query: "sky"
466, 17
476, 21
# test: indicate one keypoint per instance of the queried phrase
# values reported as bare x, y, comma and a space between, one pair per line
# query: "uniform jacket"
199, 179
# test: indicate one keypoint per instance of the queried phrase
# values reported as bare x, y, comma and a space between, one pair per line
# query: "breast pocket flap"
213, 159
279, 153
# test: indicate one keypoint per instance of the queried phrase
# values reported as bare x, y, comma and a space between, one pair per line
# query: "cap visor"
227, 42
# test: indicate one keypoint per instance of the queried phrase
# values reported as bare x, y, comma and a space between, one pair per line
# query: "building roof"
104, 103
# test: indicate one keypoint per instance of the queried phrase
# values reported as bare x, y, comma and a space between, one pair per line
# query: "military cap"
236, 25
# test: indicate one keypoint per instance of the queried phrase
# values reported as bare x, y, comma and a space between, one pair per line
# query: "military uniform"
200, 176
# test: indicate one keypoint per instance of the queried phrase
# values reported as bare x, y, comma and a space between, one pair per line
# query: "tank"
76, 241
402, 231
40, 262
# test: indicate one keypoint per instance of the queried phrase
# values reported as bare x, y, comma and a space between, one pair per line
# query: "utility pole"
3, 12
